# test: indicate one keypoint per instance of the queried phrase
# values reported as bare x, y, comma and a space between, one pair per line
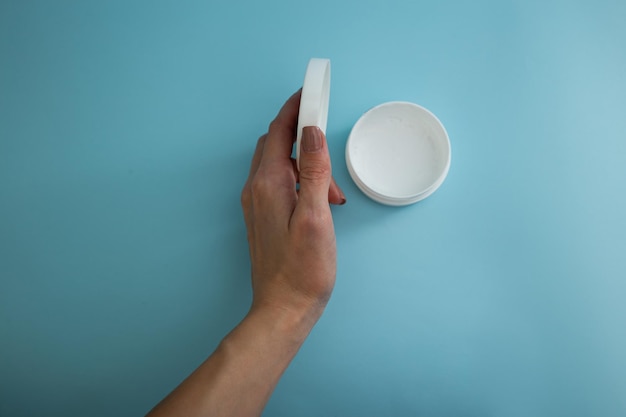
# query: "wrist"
269, 336
293, 321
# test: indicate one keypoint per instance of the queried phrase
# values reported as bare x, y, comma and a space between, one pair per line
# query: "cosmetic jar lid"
314, 99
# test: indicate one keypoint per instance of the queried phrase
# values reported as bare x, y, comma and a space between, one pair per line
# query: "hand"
292, 248
290, 233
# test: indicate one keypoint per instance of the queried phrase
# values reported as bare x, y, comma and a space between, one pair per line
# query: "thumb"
315, 170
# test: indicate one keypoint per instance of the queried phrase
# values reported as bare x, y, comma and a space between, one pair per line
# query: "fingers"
274, 181
315, 169
335, 194
273, 166
272, 185
282, 134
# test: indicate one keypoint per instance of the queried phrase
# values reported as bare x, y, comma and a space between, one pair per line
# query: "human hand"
293, 253
290, 232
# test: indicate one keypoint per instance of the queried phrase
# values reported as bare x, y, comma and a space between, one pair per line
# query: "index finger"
282, 134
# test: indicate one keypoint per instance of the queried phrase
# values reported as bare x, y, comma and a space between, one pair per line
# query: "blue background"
126, 130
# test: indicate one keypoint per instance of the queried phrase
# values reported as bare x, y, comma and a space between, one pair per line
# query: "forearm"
239, 377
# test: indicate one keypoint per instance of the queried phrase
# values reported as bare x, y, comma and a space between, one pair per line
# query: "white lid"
398, 153
314, 101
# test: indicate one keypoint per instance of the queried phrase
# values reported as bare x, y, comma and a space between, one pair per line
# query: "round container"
398, 153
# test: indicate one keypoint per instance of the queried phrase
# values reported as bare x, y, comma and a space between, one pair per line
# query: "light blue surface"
126, 130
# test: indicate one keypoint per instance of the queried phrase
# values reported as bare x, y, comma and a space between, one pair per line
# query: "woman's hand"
293, 253
290, 233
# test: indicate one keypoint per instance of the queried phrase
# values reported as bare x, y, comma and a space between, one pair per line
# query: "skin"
293, 257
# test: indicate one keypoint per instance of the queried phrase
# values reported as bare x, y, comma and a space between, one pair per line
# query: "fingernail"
343, 197
311, 139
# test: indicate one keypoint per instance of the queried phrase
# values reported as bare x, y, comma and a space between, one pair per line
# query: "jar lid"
398, 153
314, 99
